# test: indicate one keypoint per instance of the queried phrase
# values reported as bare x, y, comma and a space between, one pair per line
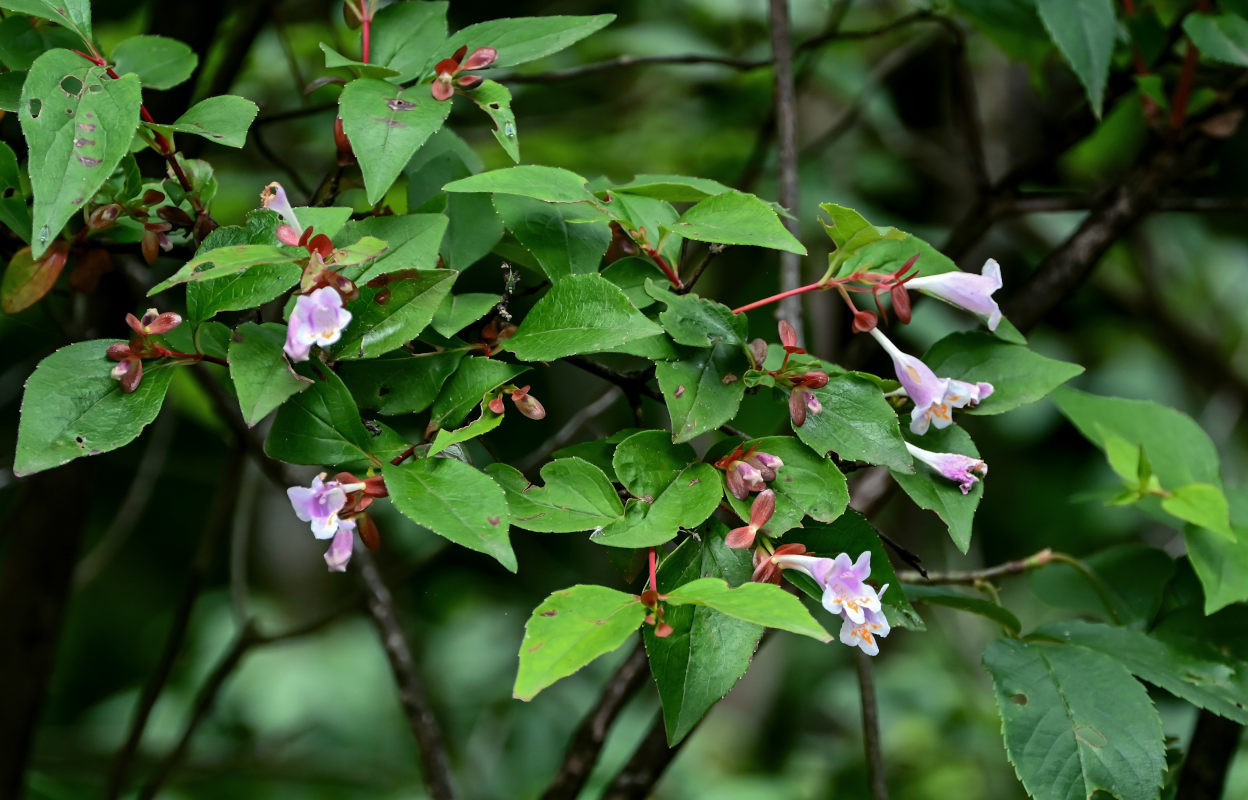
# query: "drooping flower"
318, 318
934, 398
863, 634
274, 198
966, 290
843, 582
339, 553
320, 503
957, 468
743, 478
760, 513
446, 70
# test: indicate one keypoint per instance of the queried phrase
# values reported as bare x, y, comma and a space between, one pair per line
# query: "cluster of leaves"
417, 375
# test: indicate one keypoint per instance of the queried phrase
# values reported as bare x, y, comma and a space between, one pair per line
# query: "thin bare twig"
974, 576
412, 694
870, 726
646, 766
587, 742
570, 428
785, 103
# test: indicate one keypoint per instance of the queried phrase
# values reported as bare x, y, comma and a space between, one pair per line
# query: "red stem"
671, 275
1187, 79
405, 455
366, 24
197, 357
654, 579
777, 297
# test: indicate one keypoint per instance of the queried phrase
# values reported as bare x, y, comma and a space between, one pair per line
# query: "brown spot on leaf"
87, 161
493, 520
399, 104
390, 122
536, 647
729, 379
549, 613
680, 392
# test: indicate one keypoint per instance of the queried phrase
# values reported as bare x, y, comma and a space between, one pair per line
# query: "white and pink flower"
958, 468
934, 398
318, 318
965, 290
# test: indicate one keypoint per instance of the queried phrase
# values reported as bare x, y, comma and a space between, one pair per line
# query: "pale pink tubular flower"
965, 290
934, 398
274, 198
864, 634
318, 318
957, 468
842, 581
339, 553
320, 504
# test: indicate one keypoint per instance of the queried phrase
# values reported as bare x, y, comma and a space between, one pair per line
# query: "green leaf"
1018, 375
1179, 450
936, 493
761, 603
475, 378
73, 407
386, 127
1075, 721
160, 62
223, 119
385, 317
13, 209
579, 314
78, 125
576, 497
671, 489
334, 59
27, 281
561, 245
262, 376
1190, 668
1133, 576
631, 274
495, 100
399, 383
405, 36
853, 534
461, 310
1221, 565
522, 39
1200, 504
672, 188
1084, 30
485, 422
637, 213
707, 652
551, 184
412, 243
244, 290
944, 596
571, 628
696, 321
845, 224
222, 261
321, 425
1221, 37
807, 485
73, 14
703, 390
857, 424
473, 231
736, 218
454, 500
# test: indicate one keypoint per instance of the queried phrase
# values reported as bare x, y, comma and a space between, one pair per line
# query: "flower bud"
480, 58
103, 217
346, 153
812, 403
750, 477
151, 197
758, 353
663, 630
286, 235
797, 406
496, 405
901, 302
528, 405
175, 216
864, 321
129, 372
119, 351
367, 529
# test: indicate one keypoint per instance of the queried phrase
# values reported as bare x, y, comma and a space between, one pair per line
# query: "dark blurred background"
881, 129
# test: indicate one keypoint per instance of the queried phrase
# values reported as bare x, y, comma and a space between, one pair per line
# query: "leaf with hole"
78, 125
72, 407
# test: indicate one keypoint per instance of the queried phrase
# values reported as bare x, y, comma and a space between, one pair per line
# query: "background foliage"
890, 125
